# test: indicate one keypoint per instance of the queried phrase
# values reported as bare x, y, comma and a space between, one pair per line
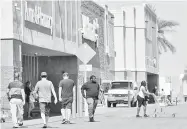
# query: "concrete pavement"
120, 117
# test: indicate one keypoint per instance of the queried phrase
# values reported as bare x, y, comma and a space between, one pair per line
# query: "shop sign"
89, 29
36, 19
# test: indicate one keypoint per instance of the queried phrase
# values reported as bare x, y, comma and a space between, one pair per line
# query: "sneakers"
16, 126
64, 121
138, 116
20, 124
146, 115
45, 126
91, 119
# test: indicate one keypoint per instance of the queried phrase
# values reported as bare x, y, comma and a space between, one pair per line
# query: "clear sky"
170, 65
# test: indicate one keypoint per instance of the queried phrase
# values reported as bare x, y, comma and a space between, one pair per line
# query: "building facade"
44, 36
103, 62
136, 48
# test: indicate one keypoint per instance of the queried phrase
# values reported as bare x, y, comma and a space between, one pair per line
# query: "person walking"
163, 96
155, 90
66, 90
141, 98
92, 89
16, 96
43, 90
29, 98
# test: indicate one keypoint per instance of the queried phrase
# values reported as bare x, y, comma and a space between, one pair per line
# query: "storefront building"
135, 32
44, 36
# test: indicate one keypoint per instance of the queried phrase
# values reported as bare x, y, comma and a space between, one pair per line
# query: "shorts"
141, 101
45, 108
67, 103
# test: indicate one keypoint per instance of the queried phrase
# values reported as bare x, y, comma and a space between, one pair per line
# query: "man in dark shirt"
92, 92
66, 89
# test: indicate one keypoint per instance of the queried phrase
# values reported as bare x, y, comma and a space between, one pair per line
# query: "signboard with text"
38, 16
85, 67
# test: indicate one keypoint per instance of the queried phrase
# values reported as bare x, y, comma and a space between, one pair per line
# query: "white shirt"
162, 93
141, 94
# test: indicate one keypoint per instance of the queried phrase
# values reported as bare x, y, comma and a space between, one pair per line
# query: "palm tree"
164, 26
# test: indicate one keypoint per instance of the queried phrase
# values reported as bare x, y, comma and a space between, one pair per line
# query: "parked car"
118, 93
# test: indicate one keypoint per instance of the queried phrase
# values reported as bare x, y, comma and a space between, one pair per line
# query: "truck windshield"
121, 85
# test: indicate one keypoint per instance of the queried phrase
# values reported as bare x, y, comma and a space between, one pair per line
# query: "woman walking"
29, 98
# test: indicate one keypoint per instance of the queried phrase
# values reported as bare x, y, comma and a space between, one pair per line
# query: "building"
135, 37
183, 86
102, 44
44, 36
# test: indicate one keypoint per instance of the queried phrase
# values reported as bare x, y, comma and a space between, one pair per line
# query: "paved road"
120, 117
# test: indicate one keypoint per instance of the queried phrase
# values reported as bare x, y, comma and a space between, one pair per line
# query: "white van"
118, 93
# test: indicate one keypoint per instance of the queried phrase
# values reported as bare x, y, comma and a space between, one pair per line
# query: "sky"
170, 64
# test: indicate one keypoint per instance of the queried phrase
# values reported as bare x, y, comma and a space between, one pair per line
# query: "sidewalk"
38, 121
107, 116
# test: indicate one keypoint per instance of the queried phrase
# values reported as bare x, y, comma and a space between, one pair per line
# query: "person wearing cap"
66, 90
92, 89
141, 98
43, 90
16, 96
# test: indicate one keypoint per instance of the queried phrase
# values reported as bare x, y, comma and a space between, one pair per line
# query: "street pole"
85, 103
170, 81
129, 103
128, 78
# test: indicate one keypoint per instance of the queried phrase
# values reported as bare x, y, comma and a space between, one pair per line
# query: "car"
118, 93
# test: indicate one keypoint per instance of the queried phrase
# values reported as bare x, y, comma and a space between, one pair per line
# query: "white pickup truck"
118, 93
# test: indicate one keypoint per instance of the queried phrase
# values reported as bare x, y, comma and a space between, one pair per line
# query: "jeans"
92, 104
16, 108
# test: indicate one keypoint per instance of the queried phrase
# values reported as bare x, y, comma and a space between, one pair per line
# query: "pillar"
10, 63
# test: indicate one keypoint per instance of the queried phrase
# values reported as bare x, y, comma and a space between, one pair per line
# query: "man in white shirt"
141, 98
44, 88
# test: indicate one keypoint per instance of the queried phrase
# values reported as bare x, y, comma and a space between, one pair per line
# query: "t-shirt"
67, 88
15, 88
27, 92
162, 93
44, 88
141, 94
92, 90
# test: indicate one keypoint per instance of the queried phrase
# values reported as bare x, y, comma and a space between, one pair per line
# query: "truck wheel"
114, 104
108, 104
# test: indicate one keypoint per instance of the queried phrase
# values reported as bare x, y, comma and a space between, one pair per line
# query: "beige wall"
6, 21
131, 42
10, 63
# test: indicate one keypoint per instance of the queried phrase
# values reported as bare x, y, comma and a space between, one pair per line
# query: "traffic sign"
85, 67
85, 53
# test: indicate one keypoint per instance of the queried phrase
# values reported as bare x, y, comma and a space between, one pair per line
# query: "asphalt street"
120, 117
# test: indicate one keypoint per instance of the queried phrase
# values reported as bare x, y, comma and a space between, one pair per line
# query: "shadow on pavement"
51, 127
23, 127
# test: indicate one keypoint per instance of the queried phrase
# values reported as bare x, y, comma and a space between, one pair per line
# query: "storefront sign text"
37, 17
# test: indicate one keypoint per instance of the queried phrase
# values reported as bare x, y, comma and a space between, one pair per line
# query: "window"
62, 18
59, 19
74, 21
69, 18
121, 85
